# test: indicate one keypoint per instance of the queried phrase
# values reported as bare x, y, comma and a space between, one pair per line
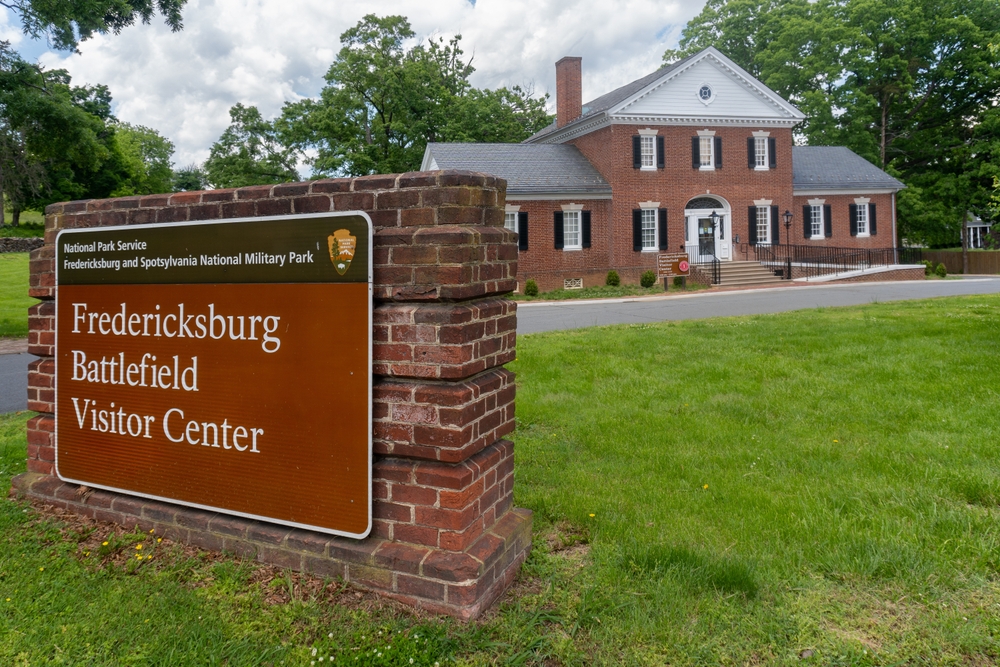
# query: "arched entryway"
702, 241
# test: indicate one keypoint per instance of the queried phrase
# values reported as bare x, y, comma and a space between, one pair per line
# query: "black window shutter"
854, 219
522, 230
807, 227
637, 229
696, 152
718, 152
660, 158
775, 226
662, 221
557, 229
585, 224
827, 221
752, 229
636, 152
772, 156
751, 153
872, 229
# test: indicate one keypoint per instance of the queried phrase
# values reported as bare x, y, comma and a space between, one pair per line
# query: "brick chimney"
569, 90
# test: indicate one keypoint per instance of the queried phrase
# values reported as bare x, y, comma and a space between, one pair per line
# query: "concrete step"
744, 273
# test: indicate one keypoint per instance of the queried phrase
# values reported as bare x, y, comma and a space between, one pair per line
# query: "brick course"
444, 535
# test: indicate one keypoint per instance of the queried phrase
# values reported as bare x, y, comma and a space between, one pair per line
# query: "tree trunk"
15, 216
965, 243
885, 114
2, 220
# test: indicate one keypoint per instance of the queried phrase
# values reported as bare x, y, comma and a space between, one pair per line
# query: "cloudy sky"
266, 52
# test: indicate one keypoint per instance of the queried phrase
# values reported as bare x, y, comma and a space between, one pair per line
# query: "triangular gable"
736, 95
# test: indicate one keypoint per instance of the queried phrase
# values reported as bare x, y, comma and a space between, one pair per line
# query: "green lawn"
32, 223
14, 299
818, 487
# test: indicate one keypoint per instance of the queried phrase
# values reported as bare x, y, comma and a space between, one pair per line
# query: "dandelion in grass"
159, 539
705, 487
138, 547
41, 569
104, 544
150, 531
592, 516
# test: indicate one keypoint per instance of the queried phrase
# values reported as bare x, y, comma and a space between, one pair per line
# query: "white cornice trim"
619, 119
819, 192
566, 196
564, 135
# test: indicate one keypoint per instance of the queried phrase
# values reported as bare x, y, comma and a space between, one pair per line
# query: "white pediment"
732, 95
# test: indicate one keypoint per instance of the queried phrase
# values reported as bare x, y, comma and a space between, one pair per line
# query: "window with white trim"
647, 145
572, 235
706, 152
510, 220
760, 152
763, 224
816, 220
862, 219
649, 229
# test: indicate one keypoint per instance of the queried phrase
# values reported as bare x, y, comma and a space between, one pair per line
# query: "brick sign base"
445, 537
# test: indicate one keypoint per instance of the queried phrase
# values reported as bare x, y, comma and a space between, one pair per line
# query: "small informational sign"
221, 365
669, 264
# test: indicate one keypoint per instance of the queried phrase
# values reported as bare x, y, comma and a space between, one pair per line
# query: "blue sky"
267, 52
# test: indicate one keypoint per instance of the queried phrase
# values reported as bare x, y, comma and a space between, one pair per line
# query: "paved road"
14, 381
535, 317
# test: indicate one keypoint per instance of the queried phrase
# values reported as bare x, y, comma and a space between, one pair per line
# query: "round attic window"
705, 92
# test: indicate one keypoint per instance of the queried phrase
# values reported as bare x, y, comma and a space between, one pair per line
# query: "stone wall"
445, 536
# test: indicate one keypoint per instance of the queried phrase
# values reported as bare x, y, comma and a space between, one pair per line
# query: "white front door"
703, 242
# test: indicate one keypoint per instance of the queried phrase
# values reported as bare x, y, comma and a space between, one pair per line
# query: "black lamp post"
715, 221
788, 237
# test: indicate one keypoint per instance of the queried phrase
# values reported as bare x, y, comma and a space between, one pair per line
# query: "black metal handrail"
822, 260
716, 267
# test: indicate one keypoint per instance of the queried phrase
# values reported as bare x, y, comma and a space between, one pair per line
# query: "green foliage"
613, 279
191, 177
910, 85
147, 160
647, 279
530, 287
249, 152
678, 281
928, 267
384, 101
941, 271
66, 24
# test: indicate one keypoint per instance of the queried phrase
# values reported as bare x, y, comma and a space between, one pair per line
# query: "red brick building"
642, 169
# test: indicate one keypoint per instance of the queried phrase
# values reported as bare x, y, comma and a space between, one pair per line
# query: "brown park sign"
221, 365
670, 264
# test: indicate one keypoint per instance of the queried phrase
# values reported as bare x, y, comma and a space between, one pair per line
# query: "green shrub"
928, 267
648, 279
678, 281
941, 271
530, 287
613, 280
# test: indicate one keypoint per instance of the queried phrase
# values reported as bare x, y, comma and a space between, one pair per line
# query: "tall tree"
909, 84
59, 134
147, 160
383, 102
249, 152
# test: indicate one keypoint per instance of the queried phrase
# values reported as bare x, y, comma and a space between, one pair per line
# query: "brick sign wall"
445, 536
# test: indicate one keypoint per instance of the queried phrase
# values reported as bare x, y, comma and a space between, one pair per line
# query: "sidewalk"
13, 345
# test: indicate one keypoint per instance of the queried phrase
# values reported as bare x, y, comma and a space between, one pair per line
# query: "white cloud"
267, 52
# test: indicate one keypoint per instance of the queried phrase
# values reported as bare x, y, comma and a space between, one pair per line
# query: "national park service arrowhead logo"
342, 247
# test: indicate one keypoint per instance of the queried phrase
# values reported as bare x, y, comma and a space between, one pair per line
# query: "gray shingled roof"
836, 168
615, 97
527, 168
